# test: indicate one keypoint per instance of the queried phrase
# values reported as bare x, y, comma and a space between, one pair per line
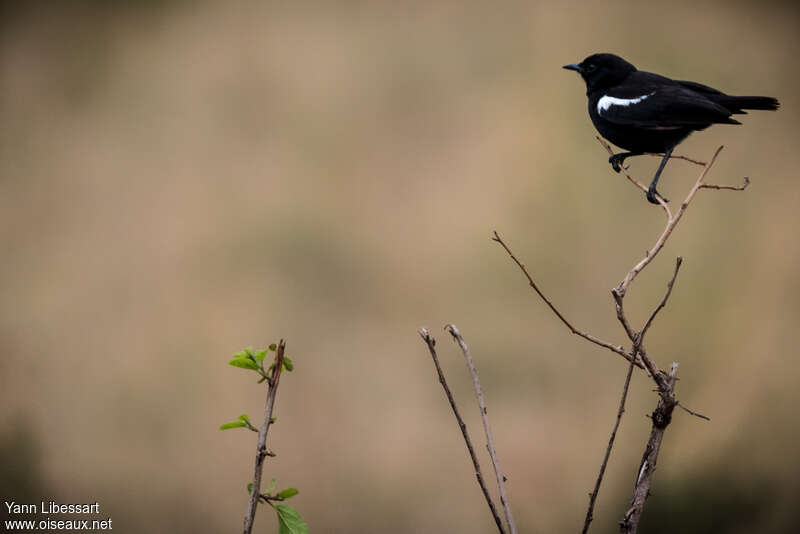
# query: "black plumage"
644, 112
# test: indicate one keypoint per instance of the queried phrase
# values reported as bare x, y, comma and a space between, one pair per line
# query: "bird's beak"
573, 66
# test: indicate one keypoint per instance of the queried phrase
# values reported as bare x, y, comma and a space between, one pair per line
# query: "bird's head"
601, 71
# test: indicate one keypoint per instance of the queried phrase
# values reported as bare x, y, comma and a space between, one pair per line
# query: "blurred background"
179, 180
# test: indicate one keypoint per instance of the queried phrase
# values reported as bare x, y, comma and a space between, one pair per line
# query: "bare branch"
617, 349
596, 490
261, 447
431, 342
662, 415
501, 479
661, 418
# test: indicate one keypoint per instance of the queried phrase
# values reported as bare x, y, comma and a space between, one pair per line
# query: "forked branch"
672, 221
637, 355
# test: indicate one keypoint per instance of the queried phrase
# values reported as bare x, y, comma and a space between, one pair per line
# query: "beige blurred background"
180, 180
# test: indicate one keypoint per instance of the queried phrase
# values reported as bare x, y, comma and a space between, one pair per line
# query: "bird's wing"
700, 88
661, 106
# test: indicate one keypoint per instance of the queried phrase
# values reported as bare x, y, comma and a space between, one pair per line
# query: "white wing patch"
608, 101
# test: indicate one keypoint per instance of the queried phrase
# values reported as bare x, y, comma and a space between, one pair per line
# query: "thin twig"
663, 302
596, 490
431, 342
261, 447
617, 349
690, 412
501, 479
728, 187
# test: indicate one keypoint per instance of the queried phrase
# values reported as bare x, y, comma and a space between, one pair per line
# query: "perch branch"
431, 343
261, 447
501, 479
617, 349
672, 221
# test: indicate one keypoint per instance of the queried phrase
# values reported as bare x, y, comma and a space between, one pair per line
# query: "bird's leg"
617, 159
651, 191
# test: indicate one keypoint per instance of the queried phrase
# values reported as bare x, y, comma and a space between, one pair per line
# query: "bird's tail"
737, 104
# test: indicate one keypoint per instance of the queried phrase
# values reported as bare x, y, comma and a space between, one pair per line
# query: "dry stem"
596, 490
261, 447
431, 343
617, 349
501, 479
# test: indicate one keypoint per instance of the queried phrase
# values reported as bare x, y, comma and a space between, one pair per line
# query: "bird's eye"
591, 67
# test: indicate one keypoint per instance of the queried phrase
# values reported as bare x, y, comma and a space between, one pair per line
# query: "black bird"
644, 112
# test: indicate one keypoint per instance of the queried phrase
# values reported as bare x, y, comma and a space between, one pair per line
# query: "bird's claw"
652, 194
616, 161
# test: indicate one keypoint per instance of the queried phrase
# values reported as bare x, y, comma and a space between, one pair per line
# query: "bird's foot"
616, 161
652, 194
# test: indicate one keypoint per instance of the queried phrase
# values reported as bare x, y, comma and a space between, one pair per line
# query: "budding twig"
261, 446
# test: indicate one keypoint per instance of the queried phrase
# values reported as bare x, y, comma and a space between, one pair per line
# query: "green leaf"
273, 347
244, 363
232, 424
260, 354
240, 355
288, 493
248, 351
271, 487
289, 521
244, 418
287, 363
250, 488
